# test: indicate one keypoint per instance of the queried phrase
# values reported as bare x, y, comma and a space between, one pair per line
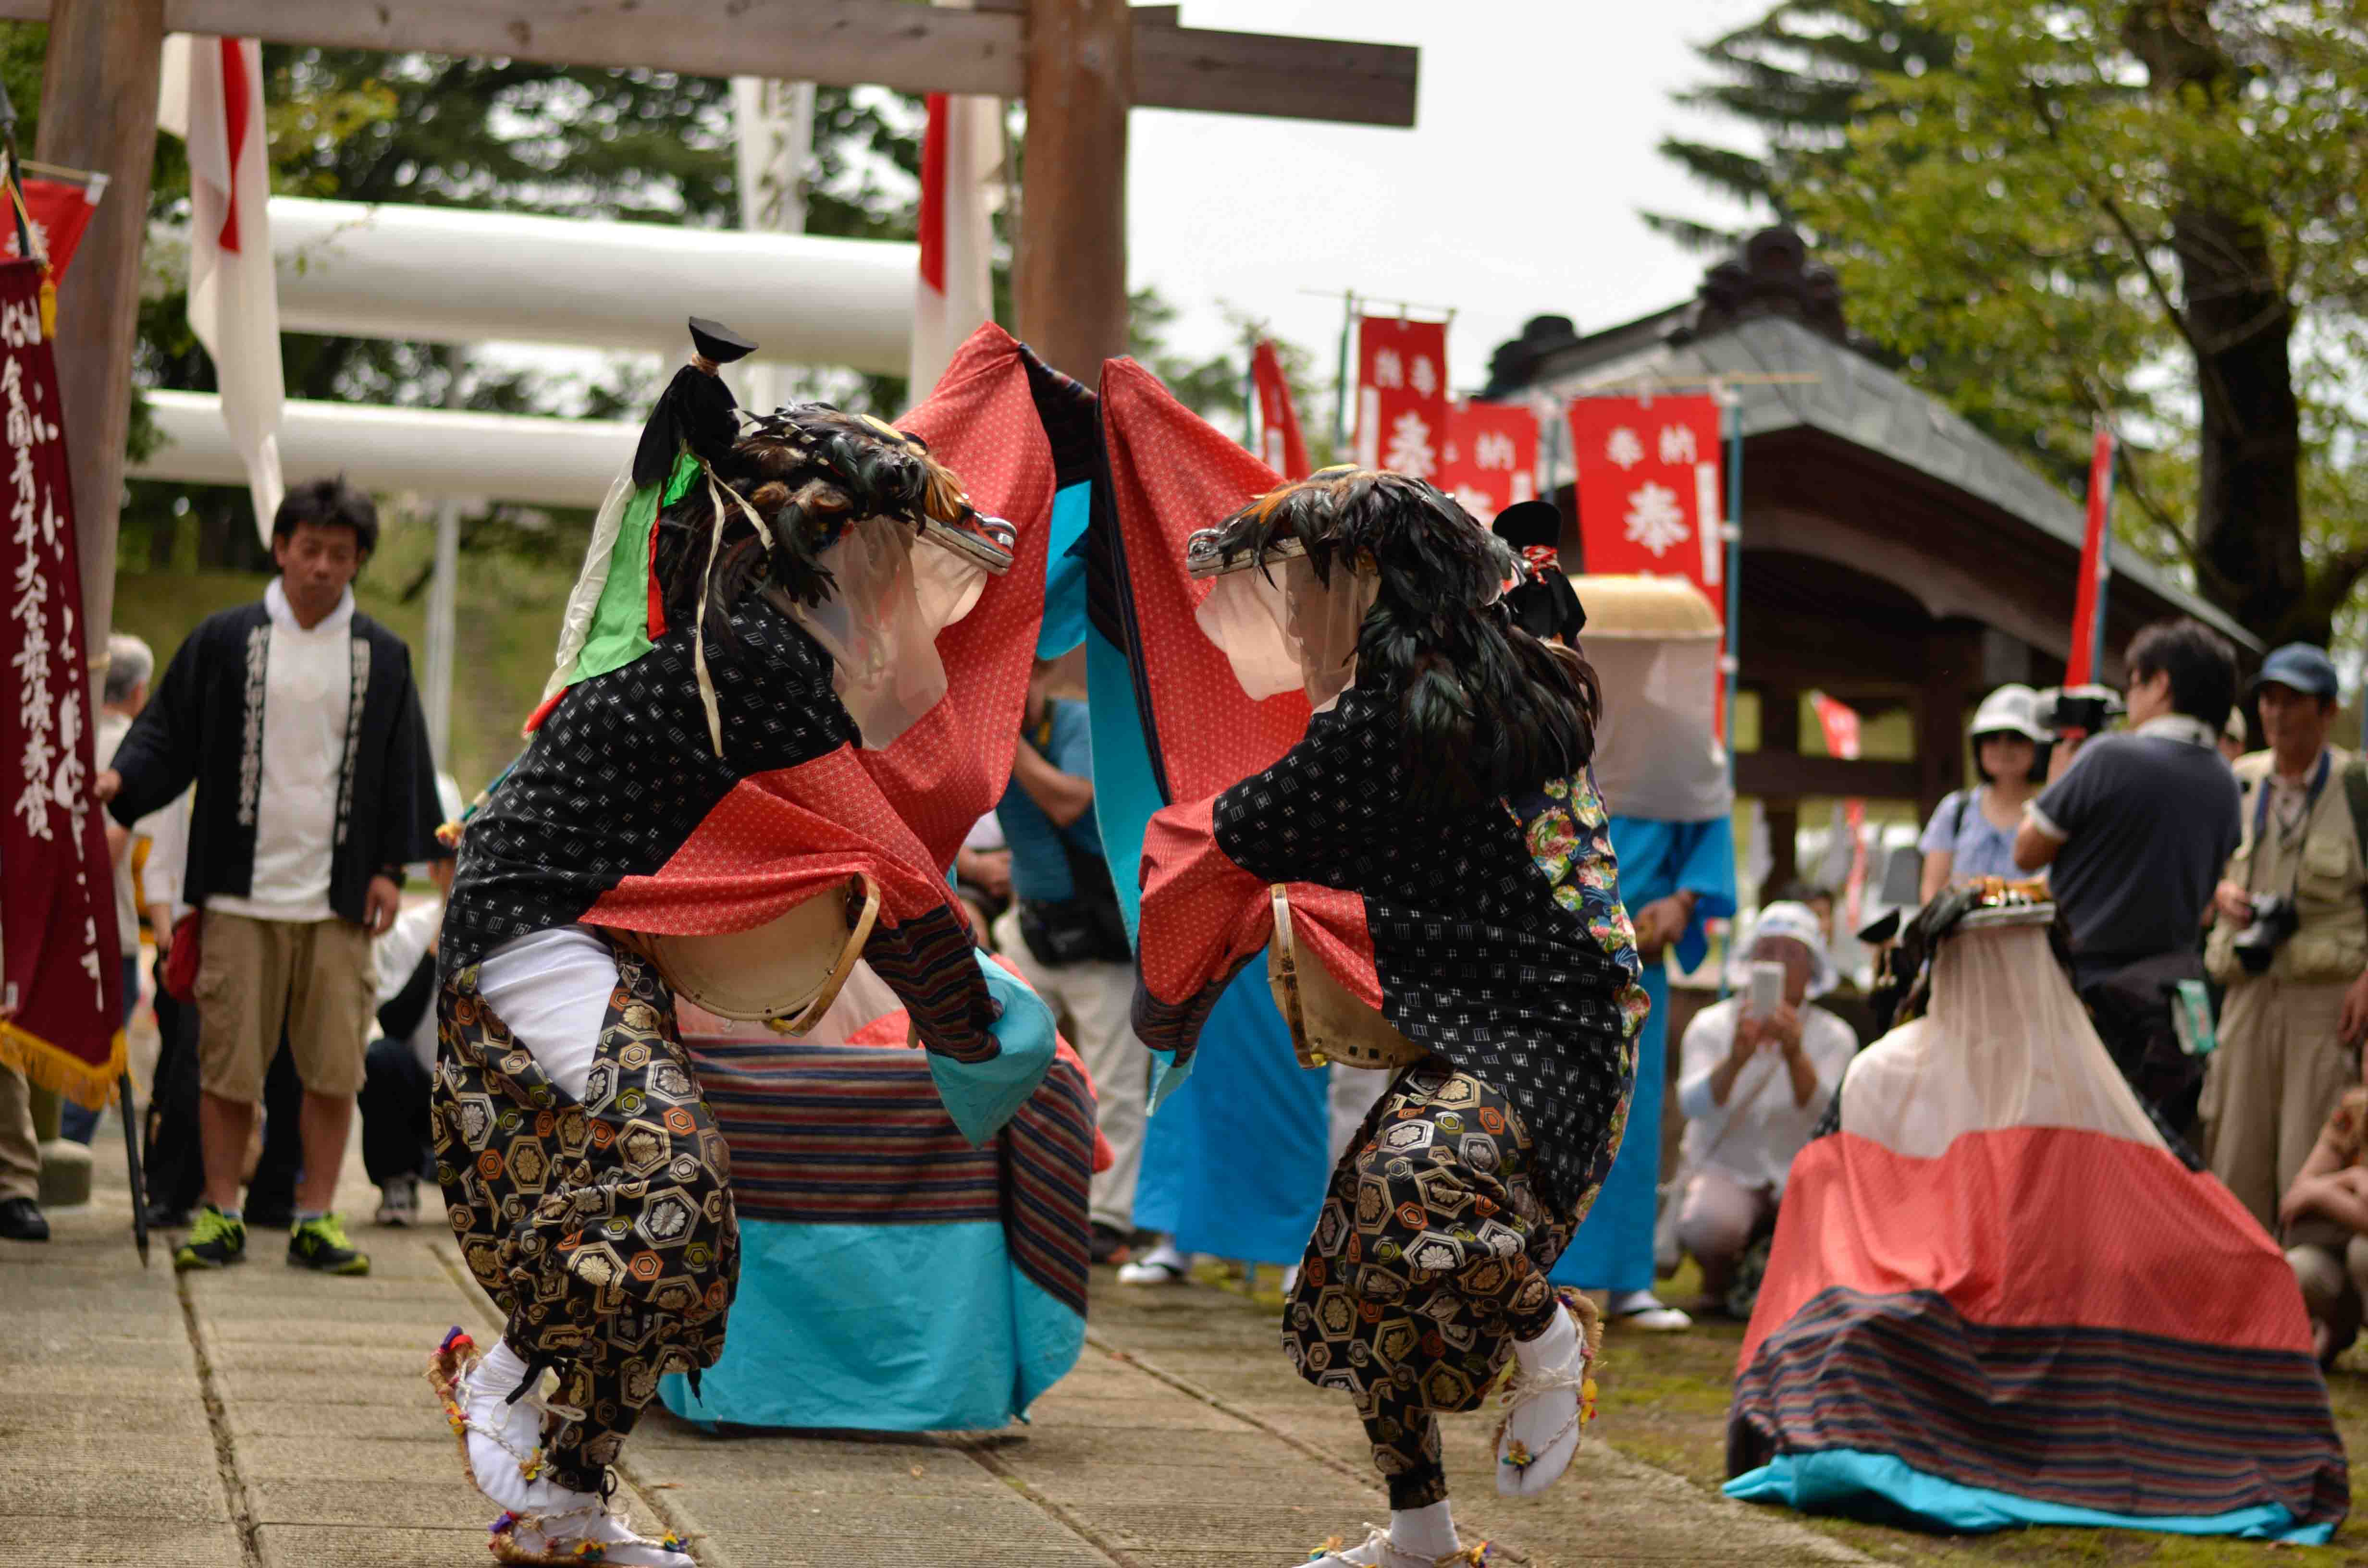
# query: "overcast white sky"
1515, 194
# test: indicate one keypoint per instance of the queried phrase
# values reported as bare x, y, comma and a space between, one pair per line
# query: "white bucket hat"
2011, 709
1794, 921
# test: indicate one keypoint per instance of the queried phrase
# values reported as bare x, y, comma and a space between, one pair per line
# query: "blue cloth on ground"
888, 1328
981, 1095
1846, 1480
1614, 1248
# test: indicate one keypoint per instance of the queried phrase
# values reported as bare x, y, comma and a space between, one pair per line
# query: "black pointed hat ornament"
1543, 603
696, 409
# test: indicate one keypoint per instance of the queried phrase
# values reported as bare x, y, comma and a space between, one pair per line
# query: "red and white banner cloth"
1280, 445
1648, 494
213, 98
61, 970
954, 294
1997, 1297
59, 204
1401, 394
1490, 460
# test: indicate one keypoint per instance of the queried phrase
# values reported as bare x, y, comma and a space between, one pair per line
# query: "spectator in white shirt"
1753, 1086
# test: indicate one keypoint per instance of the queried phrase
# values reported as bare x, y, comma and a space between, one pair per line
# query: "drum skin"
784, 973
1328, 1024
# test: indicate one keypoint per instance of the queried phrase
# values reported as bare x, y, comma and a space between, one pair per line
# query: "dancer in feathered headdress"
1443, 788
755, 627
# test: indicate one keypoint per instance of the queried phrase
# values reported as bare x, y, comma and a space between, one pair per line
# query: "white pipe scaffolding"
450, 275
428, 451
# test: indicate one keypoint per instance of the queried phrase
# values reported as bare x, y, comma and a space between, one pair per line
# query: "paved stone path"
265, 1418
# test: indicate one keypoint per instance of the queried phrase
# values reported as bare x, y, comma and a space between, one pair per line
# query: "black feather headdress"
1488, 709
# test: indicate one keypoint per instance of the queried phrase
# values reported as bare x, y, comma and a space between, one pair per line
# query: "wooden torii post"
1079, 66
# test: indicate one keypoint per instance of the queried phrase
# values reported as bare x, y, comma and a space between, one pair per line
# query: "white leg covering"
552, 989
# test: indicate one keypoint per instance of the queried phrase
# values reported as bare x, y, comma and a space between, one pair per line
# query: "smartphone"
1766, 992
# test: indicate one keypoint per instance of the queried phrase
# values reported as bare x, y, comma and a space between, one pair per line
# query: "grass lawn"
1664, 1400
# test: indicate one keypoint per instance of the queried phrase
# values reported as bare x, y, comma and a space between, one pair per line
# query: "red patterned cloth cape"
619, 814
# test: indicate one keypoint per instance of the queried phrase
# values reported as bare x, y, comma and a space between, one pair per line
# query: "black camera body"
2275, 918
2077, 710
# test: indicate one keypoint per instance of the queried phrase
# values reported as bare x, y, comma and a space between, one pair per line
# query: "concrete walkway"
266, 1418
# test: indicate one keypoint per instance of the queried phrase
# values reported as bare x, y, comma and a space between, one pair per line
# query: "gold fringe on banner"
47, 1067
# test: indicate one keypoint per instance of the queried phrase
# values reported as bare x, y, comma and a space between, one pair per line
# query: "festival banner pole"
1731, 662
1340, 402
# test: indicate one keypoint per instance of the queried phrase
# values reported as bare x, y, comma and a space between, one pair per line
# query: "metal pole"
1249, 391
1340, 404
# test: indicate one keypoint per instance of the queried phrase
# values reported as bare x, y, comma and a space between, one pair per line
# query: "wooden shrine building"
1893, 556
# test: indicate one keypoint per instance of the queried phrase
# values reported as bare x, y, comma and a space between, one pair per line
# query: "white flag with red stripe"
955, 293
213, 98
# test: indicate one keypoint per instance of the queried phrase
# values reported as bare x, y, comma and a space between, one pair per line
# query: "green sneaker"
216, 1241
321, 1246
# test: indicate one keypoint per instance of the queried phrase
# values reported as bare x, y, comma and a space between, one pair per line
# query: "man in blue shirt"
1065, 932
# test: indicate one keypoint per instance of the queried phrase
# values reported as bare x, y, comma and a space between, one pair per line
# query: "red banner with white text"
1648, 494
61, 975
1280, 446
1401, 394
1490, 460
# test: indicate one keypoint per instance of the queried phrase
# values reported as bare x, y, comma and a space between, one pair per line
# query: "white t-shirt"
396, 956
308, 686
1755, 1134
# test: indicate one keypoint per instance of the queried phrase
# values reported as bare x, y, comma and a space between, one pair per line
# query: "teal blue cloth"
884, 1328
1849, 1481
1065, 572
1126, 794
983, 1096
1235, 1164
1040, 850
1614, 1248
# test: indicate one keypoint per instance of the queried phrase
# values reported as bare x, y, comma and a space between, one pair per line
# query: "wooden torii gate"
1079, 66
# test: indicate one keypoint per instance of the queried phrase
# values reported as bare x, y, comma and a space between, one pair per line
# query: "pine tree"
1798, 75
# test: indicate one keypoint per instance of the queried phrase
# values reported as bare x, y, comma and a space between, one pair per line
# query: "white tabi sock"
498, 1462
1544, 1424
1428, 1533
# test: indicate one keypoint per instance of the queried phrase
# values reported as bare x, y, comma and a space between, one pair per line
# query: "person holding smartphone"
1756, 1071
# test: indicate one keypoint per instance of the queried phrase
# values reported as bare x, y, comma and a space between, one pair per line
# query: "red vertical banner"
1490, 459
2088, 651
1648, 492
1840, 722
1280, 446
61, 975
1401, 394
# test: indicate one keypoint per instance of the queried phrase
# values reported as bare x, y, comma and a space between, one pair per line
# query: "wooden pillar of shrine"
1070, 288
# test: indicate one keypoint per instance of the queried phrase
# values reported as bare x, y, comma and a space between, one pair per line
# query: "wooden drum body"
1328, 1024
784, 973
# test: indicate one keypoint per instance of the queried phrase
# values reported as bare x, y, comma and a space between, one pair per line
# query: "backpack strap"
2355, 795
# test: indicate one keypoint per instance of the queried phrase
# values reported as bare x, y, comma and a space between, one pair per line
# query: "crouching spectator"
2324, 1218
1753, 1082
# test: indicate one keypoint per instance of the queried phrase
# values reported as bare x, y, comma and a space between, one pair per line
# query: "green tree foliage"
2151, 210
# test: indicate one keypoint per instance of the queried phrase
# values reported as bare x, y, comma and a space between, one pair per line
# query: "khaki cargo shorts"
314, 976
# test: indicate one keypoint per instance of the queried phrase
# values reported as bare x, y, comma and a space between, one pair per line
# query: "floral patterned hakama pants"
604, 1228
1429, 1259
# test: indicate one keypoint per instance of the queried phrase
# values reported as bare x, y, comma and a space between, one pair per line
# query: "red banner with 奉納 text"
1401, 394
61, 975
1490, 460
1648, 495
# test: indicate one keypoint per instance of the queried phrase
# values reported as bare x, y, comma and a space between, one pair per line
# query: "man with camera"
2290, 941
2133, 829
